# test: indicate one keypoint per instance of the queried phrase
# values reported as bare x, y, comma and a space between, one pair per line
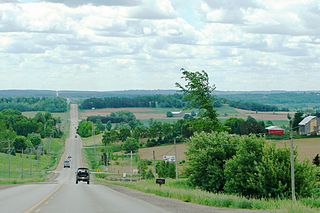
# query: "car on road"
82, 174
66, 164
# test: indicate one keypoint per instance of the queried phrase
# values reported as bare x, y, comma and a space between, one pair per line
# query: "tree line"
168, 101
20, 132
23, 104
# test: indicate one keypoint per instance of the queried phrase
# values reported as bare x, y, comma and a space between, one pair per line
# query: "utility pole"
9, 160
293, 191
131, 165
22, 163
176, 158
94, 144
154, 163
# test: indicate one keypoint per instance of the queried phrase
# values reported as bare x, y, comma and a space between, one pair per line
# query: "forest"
23, 104
169, 101
21, 132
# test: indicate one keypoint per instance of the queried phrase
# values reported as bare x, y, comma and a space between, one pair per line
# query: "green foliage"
109, 136
21, 143
149, 174
198, 92
131, 144
114, 117
242, 127
34, 104
166, 169
169, 114
207, 154
298, 117
245, 165
85, 129
35, 139
142, 168
163, 101
241, 171
99, 126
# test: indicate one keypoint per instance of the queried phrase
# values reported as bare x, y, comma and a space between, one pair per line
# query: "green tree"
35, 139
108, 125
99, 126
298, 117
241, 171
198, 92
21, 143
85, 128
131, 144
207, 154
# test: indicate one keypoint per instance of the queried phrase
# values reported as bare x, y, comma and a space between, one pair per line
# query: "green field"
26, 168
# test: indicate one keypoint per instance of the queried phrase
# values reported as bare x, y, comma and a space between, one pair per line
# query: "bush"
85, 129
207, 154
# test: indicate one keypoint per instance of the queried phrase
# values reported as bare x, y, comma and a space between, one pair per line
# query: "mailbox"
160, 181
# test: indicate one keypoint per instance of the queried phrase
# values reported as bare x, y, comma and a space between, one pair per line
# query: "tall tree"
198, 92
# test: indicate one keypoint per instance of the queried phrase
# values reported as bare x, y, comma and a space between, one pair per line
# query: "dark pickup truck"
82, 174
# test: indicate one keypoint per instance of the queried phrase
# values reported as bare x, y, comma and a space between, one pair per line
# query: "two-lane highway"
64, 195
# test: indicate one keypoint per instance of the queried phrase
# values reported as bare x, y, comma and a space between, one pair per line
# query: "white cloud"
244, 45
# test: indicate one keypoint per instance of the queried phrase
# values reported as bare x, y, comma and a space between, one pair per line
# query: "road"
63, 195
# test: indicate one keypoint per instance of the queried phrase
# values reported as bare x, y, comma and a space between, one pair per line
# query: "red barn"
274, 130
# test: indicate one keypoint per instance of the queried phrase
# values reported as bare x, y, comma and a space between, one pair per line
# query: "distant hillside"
83, 94
283, 99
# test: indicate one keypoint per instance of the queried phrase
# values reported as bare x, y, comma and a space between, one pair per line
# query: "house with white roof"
309, 125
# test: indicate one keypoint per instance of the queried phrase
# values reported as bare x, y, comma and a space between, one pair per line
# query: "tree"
298, 117
99, 126
198, 92
207, 154
21, 143
85, 128
109, 137
35, 139
131, 144
240, 172
108, 125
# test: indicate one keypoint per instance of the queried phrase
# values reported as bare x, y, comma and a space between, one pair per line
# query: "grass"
26, 168
23, 168
181, 191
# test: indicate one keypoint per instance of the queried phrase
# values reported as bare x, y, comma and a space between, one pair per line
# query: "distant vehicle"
66, 164
82, 174
76, 136
69, 157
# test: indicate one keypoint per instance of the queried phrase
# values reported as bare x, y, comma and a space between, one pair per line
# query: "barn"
275, 130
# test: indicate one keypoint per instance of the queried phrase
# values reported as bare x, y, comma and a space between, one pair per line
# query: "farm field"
224, 112
307, 149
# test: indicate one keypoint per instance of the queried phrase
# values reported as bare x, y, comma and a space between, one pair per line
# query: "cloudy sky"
142, 44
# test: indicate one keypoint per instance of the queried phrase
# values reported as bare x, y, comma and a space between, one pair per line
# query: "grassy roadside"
25, 168
181, 191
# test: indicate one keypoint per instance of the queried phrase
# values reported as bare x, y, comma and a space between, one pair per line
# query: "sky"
142, 44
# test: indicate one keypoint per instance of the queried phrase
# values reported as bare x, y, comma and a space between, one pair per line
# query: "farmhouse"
309, 125
275, 130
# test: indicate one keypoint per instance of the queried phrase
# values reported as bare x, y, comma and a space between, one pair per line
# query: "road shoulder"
173, 205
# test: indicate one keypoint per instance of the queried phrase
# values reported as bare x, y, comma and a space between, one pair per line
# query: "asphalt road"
62, 194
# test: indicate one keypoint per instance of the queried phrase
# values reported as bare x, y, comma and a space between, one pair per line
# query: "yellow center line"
34, 207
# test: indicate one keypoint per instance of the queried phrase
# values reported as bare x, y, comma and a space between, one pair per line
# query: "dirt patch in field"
160, 151
140, 113
263, 115
307, 148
